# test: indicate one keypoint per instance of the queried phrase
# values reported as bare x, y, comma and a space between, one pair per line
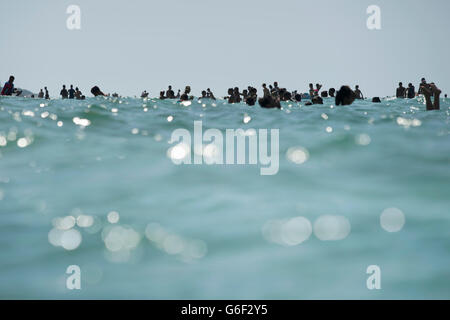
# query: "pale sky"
135, 45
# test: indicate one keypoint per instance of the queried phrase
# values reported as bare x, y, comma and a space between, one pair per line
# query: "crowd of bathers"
272, 95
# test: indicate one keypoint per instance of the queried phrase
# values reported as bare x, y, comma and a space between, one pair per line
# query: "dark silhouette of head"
269, 102
376, 100
345, 96
331, 92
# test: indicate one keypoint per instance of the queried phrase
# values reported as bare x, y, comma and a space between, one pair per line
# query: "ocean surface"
92, 184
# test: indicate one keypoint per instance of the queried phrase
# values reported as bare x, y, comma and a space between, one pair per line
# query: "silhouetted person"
411, 91
77, 94
203, 95
332, 92
185, 95
376, 100
317, 100
47, 96
71, 92
97, 92
209, 94
144, 94
324, 94
266, 91
269, 102
41, 94
429, 90
345, 96
358, 93
64, 93
423, 82
161, 95
8, 88
401, 91
169, 93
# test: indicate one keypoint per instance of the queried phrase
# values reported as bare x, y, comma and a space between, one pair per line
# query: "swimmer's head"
345, 96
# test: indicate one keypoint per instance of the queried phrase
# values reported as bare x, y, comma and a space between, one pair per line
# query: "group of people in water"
271, 98
71, 93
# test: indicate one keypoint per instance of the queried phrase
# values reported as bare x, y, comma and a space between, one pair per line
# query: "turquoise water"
90, 183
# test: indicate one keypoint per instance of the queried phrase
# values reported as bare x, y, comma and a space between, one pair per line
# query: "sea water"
92, 184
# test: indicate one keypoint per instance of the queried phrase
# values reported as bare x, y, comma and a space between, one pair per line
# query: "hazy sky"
129, 46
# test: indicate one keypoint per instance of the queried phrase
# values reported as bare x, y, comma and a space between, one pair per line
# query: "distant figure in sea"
209, 94
376, 100
312, 92
78, 94
269, 102
178, 94
8, 88
423, 82
144, 94
71, 92
345, 96
47, 96
411, 91
169, 93
275, 90
266, 91
324, 94
185, 96
318, 87
358, 93
401, 91
41, 94
162, 95
64, 93
203, 95
317, 100
332, 92
97, 92
430, 90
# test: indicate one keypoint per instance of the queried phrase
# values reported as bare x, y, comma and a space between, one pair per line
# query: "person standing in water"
210, 94
64, 94
358, 93
8, 88
77, 94
169, 93
401, 91
430, 90
41, 94
47, 96
71, 92
266, 91
411, 91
